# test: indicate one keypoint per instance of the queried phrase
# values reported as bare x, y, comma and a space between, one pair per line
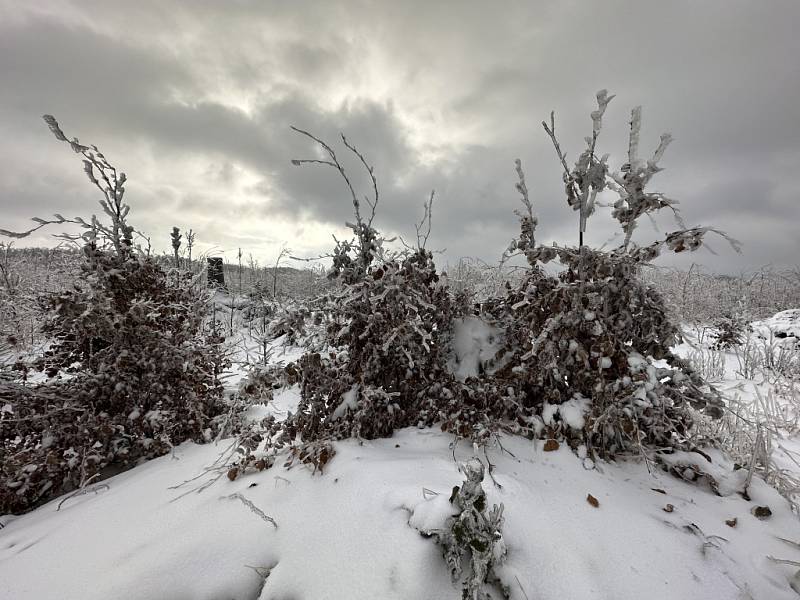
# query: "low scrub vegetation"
130, 369
577, 350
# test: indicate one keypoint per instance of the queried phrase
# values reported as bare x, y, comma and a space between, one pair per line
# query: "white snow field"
350, 533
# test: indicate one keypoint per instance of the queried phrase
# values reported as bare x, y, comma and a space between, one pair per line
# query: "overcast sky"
194, 99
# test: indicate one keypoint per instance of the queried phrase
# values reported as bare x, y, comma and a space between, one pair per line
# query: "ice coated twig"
783, 561
790, 542
427, 493
58, 220
252, 507
371, 171
521, 588
218, 467
633, 138
551, 131
490, 469
427, 218
82, 491
603, 100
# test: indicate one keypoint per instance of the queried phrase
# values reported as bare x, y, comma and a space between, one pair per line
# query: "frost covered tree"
131, 369
581, 346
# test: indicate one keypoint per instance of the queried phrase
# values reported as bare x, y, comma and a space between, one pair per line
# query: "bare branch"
42, 223
253, 508
333, 162
551, 131
370, 170
427, 216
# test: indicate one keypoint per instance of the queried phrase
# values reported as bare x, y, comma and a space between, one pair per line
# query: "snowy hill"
351, 532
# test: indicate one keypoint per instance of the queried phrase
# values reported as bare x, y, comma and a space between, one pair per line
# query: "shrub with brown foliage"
387, 345
132, 370
581, 346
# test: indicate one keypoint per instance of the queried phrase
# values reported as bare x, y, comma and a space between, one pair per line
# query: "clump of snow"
636, 362
720, 475
283, 402
572, 412
475, 343
349, 403
784, 325
548, 412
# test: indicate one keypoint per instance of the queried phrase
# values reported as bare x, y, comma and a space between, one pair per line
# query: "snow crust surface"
352, 532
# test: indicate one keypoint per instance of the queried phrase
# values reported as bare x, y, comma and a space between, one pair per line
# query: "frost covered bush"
381, 362
473, 533
590, 336
384, 361
385, 341
584, 354
131, 370
386, 353
729, 331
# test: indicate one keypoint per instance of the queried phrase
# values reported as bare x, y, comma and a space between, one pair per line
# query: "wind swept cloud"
194, 100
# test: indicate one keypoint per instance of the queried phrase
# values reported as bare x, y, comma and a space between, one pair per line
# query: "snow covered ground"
158, 532
350, 532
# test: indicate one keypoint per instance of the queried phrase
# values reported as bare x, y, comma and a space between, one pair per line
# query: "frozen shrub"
729, 331
143, 374
386, 353
381, 361
590, 335
387, 330
474, 532
134, 335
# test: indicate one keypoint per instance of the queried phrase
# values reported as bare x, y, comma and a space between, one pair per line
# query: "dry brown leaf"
550, 445
592, 500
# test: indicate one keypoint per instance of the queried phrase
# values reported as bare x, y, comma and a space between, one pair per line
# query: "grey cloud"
220, 84
92, 80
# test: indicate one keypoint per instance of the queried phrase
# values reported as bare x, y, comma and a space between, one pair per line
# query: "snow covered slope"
349, 533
